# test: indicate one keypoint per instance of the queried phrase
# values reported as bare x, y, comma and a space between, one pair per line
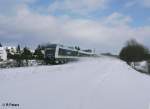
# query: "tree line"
25, 54
131, 52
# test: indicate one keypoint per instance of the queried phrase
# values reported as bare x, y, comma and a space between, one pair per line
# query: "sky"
104, 25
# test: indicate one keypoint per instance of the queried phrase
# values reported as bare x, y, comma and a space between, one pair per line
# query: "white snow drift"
100, 83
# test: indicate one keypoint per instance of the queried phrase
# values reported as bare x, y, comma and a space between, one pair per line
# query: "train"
57, 53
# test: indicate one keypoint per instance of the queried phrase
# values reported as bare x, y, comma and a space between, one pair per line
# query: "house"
3, 54
11, 50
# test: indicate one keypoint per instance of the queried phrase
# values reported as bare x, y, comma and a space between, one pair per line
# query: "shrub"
134, 52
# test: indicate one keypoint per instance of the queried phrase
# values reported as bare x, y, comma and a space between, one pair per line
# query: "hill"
96, 83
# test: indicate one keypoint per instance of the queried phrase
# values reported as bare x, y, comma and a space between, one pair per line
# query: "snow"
95, 83
141, 66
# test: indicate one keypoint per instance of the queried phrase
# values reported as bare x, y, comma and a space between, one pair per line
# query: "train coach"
56, 53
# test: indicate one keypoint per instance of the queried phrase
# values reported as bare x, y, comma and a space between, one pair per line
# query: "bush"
134, 52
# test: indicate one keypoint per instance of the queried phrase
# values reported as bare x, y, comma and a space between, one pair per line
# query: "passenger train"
56, 53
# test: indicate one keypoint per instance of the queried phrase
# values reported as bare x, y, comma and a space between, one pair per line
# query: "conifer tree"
18, 56
38, 53
0, 45
26, 54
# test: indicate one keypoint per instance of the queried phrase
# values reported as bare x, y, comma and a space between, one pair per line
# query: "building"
11, 50
3, 54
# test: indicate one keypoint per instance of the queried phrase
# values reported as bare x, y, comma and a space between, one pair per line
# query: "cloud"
117, 19
142, 3
107, 34
81, 7
146, 3
9, 7
131, 4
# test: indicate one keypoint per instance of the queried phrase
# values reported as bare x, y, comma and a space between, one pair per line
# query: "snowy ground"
100, 83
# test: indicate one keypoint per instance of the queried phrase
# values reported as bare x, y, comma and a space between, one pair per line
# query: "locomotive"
56, 53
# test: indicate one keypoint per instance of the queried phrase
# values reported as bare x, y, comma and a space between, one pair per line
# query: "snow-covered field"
100, 83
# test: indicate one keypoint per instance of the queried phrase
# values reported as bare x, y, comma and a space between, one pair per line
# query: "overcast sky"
101, 24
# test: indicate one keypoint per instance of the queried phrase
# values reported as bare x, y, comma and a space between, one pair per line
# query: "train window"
50, 52
68, 53
65, 52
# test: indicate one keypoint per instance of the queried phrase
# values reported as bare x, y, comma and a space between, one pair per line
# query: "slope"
96, 83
